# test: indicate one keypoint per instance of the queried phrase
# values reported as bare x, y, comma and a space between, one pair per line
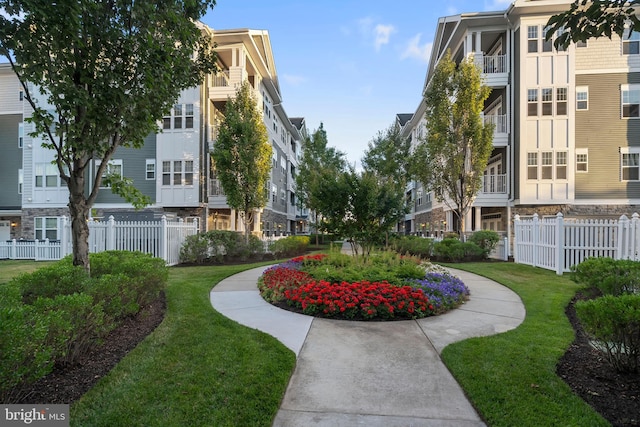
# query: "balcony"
221, 87
501, 128
494, 184
495, 69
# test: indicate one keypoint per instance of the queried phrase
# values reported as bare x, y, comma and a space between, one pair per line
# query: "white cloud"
417, 51
383, 33
294, 80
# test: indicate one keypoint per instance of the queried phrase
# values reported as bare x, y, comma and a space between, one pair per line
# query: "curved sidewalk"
372, 373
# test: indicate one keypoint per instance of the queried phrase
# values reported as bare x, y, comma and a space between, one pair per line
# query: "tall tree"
451, 159
587, 19
317, 173
388, 157
242, 156
107, 72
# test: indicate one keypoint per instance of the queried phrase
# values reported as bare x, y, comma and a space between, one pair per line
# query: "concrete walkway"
372, 373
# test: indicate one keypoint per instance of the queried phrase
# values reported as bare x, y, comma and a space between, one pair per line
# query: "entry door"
5, 230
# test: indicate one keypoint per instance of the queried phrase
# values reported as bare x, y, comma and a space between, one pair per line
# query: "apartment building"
173, 167
567, 134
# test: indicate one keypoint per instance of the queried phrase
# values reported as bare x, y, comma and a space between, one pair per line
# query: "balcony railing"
494, 64
220, 80
215, 188
494, 184
499, 120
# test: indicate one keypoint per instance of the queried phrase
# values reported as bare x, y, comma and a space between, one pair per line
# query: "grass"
511, 378
11, 268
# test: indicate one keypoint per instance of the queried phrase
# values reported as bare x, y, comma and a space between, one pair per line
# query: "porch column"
468, 223
478, 219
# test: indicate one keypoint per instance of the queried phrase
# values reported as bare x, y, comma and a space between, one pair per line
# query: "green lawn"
200, 368
196, 368
511, 378
10, 268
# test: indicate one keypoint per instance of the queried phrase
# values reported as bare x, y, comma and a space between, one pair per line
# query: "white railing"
162, 239
556, 243
494, 184
499, 121
494, 64
215, 188
220, 79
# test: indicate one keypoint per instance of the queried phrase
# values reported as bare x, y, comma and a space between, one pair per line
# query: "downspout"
511, 200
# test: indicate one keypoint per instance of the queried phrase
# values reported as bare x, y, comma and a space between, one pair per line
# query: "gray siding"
134, 167
602, 130
10, 162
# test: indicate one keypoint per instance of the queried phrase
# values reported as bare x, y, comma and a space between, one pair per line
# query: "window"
20, 180
630, 165
532, 165
630, 101
166, 173
581, 43
582, 160
177, 172
274, 193
46, 228
21, 95
114, 167
188, 116
547, 45
561, 101
547, 101
532, 36
166, 122
532, 102
20, 134
150, 169
582, 98
177, 116
46, 175
561, 165
547, 165
631, 43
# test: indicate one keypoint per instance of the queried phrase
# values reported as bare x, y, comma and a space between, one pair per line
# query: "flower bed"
288, 283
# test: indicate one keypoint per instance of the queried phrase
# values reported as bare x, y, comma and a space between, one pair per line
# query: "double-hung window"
177, 172
114, 168
631, 43
150, 169
629, 164
582, 98
582, 159
532, 102
46, 175
532, 38
46, 228
20, 134
630, 101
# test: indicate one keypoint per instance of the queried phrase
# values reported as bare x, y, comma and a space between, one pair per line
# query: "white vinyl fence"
162, 239
556, 243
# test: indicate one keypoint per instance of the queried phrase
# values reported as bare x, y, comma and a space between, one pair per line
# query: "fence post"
516, 230
111, 233
623, 224
164, 247
635, 221
559, 243
64, 238
13, 249
536, 239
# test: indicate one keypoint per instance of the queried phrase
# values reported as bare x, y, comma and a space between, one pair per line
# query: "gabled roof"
403, 118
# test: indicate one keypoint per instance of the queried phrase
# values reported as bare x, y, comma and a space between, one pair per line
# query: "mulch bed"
616, 396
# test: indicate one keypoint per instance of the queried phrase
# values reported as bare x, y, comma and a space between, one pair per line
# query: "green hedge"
58, 313
216, 245
613, 322
453, 250
289, 246
610, 276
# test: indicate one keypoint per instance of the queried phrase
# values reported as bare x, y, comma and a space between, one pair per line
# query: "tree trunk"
79, 211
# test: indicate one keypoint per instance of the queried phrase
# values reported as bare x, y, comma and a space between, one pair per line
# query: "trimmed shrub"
453, 250
119, 300
485, 239
414, 245
289, 246
61, 278
195, 249
24, 353
610, 276
613, 322
217, 244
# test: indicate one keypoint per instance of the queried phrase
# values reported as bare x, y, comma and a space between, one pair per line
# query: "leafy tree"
373, 205
108, 71
242, 156
317, 173
389, 158
587, 19
451, 159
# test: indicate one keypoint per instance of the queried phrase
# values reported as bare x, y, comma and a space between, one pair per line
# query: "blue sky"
352, 65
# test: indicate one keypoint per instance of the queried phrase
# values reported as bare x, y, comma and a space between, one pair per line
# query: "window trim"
20, 134
110, 164
582, 152
152, 163
582, 90
43, 227
631, 39
629, 88
629, 151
